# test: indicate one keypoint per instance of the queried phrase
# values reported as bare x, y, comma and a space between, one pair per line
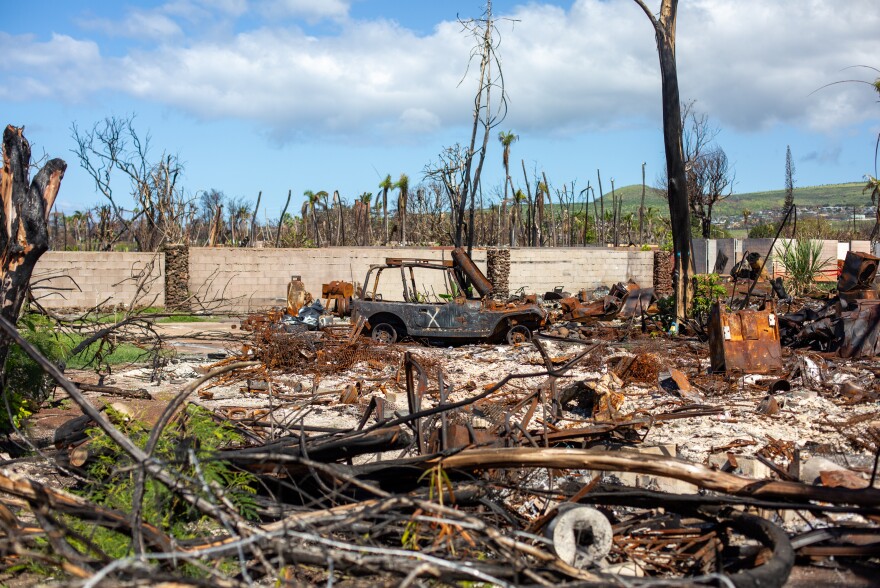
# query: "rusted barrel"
470, 269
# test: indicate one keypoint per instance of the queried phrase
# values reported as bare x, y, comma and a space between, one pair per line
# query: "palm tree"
746, 214
507, 139
309, 208
402, 185
386, 185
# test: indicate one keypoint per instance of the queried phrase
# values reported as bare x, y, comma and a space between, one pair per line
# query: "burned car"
423, 298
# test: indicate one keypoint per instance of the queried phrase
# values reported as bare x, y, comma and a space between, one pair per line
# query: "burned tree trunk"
679, 212
24, 221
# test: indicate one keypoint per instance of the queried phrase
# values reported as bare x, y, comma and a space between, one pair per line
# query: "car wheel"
519, 334
384, 333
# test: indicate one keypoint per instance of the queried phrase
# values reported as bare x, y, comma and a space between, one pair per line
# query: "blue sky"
281, 95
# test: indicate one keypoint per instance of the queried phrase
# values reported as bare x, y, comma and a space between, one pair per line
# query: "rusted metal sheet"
745, 341
858, 272
637, 303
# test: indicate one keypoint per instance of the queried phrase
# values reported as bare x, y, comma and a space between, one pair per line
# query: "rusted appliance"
297, 296
745, 341
337, 295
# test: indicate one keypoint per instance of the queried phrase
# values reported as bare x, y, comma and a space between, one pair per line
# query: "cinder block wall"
84, 279
540, 270
707, 251
251, 279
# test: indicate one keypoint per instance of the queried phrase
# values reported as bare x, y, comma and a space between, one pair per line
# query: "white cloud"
749, 64
755, 63
308, 9
419, 120
57, 68
138, 24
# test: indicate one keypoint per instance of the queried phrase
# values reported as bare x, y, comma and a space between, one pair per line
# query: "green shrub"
802, 260
708, 289
763, 230
112, 473
27, 386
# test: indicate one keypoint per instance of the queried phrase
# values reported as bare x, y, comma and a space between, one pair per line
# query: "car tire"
518, 334
384, 333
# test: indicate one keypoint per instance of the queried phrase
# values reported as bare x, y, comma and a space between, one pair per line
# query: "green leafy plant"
27, 386
707, 290
190, 447
803, 262
438, 484
666, 311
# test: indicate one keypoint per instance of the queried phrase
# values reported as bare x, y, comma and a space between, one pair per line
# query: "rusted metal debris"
481, 481
849, 323
622, 300
744, 341
338, 296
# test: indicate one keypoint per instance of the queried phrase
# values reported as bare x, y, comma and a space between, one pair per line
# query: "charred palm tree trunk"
24, 222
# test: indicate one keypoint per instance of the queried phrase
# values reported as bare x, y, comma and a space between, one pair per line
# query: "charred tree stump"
24, 221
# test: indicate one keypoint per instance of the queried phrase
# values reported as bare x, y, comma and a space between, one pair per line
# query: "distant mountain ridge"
847, 195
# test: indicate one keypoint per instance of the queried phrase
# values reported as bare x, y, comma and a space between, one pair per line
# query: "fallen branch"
669, 467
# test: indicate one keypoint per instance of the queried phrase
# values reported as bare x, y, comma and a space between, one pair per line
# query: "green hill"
849, 194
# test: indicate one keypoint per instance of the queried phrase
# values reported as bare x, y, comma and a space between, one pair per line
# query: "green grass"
58, 344
150, 313
185, 318
124, 353
809, 196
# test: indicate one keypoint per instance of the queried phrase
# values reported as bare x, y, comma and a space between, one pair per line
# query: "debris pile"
849, 323
596, 451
